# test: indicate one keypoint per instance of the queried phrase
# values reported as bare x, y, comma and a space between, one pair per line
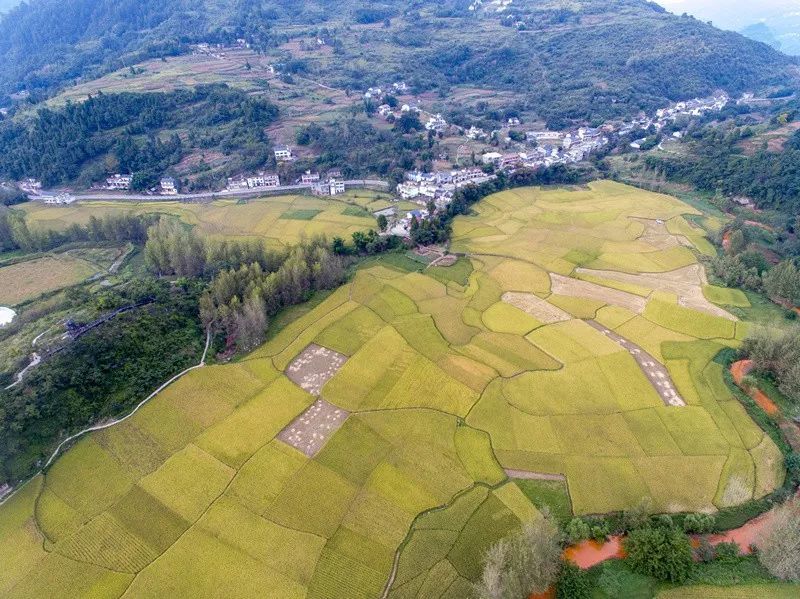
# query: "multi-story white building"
263, 180
169, 187
331, 187
121, 182
308, 178
283, 153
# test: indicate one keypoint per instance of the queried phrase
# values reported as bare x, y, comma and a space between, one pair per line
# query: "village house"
120, 182
408, 191
436, 123
169, 187
29, 185
540, 136
475, 133
309, 178
283, 153
512, 161
263, 180
335, 174
237, 183
331, 187
59, 199
492, 158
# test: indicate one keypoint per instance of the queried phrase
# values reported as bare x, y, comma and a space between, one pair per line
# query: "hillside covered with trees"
140, 133
589, 59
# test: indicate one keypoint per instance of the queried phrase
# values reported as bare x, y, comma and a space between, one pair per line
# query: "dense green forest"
138, 133
102, 374
584, 59
717, 163
358, 148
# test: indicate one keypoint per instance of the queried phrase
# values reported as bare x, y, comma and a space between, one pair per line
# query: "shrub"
779, 552
573, 583
577, 530
663, 553
664, 521
527, 562
698, 523
705, 551
727, 552
599, 533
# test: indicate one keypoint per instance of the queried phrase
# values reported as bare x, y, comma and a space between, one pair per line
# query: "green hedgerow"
663, 553
573, 583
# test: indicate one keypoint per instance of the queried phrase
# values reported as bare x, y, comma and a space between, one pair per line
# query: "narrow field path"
115, 422
36, 359
527, 475
656, 373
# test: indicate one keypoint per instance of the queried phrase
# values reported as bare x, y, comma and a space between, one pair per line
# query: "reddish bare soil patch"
741, 369
590, 553
746, 536
548, 594
726, 240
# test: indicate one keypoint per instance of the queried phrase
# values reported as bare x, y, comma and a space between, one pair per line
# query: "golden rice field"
280, 220
447, 386
28, 280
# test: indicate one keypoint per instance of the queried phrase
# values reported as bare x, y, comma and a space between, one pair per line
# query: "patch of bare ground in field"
562, 285
687, 283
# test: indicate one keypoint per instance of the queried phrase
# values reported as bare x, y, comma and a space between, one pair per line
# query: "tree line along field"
447, 383
280, 220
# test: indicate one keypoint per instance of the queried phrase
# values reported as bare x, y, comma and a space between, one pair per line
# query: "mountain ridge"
591, 59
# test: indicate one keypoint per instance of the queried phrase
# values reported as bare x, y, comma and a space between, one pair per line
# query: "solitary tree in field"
383, 222
525, 563
780, 549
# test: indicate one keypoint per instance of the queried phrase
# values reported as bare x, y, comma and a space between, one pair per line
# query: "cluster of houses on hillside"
426, 188
551, 148
666, 116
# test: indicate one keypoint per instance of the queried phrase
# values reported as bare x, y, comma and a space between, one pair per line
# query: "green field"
447, 385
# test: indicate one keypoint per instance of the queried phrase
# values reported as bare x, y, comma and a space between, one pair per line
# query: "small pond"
6, 316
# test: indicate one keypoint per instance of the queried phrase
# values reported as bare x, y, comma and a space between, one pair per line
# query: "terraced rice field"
280, 220
432, 394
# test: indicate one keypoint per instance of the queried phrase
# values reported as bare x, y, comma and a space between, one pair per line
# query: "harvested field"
535, 306
314, 367
583, 289
28, 280
311, 430
688, 283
